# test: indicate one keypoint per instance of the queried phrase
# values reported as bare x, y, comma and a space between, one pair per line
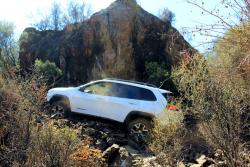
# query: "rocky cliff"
115, 42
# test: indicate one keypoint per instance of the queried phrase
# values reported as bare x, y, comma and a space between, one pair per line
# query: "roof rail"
131, 81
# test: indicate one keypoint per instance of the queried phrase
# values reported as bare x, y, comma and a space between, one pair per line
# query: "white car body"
82, 101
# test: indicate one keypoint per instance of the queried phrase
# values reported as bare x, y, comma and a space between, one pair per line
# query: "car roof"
133, 83
165, 91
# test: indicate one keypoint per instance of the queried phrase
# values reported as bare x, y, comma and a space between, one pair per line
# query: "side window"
118, 90
141, 94
100, 88
132, 92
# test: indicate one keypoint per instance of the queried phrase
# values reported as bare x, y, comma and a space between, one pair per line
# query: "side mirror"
88, 91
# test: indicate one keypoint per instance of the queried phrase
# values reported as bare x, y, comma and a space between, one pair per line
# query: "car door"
118, 103
89, 99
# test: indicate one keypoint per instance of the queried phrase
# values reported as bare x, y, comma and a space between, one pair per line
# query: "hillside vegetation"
212, 127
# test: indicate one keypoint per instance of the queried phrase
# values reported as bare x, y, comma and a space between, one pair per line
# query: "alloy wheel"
139, 132
57, 111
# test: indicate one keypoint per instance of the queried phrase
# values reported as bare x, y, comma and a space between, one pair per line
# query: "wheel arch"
138, 114
57, 97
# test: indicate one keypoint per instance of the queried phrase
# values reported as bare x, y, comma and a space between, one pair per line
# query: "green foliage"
48, 70
228, 50
232, 52
156, 73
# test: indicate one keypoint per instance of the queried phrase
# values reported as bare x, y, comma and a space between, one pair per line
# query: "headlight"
49, 95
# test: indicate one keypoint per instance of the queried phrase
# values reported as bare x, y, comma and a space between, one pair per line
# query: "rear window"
147, 95
165, 95
132, 92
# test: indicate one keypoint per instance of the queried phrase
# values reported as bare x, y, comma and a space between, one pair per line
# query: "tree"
56, 15
166, 15
229, 34
57, 19
43, 24
8, 47
77, 12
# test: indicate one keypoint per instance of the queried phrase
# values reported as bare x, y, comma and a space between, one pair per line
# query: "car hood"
62, 89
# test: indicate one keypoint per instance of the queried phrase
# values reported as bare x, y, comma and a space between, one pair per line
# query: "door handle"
132, 103
99, 98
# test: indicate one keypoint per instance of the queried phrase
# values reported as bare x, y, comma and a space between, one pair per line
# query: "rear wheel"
139, 130
59, 109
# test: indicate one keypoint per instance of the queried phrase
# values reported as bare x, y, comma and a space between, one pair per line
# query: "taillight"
171, 107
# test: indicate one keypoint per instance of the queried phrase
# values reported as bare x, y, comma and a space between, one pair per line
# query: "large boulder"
115, 42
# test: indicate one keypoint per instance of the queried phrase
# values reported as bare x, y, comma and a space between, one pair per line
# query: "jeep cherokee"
133, 103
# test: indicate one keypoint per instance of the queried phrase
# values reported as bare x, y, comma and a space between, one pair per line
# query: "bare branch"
211, 13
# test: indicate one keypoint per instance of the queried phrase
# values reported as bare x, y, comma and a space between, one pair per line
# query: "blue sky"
24, 12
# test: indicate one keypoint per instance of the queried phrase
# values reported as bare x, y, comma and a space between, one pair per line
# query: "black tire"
139, 130
59, 109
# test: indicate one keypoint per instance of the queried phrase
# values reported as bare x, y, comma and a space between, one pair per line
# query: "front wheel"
139, 130
59, 109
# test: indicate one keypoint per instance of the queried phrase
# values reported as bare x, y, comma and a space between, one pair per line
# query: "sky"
23, 12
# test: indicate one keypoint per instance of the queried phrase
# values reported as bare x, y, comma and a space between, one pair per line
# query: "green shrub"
52, 147
167, 137
48, 70
156, 73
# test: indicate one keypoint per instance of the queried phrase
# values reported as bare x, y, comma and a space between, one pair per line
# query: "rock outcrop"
115, 42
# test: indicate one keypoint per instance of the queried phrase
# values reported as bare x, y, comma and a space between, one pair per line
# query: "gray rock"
181, 164
218, 154
131, 150
117, 156
104, 135
111, 152
79, 130
121, 135
124, 158
110, 140
101, 144
146, 161
90, 131
107, 130
91, 123
201, 159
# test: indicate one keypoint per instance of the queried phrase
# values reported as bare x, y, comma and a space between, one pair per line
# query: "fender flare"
57, 97
135, 114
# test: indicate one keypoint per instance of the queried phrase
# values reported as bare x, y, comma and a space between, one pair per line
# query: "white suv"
133, 103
